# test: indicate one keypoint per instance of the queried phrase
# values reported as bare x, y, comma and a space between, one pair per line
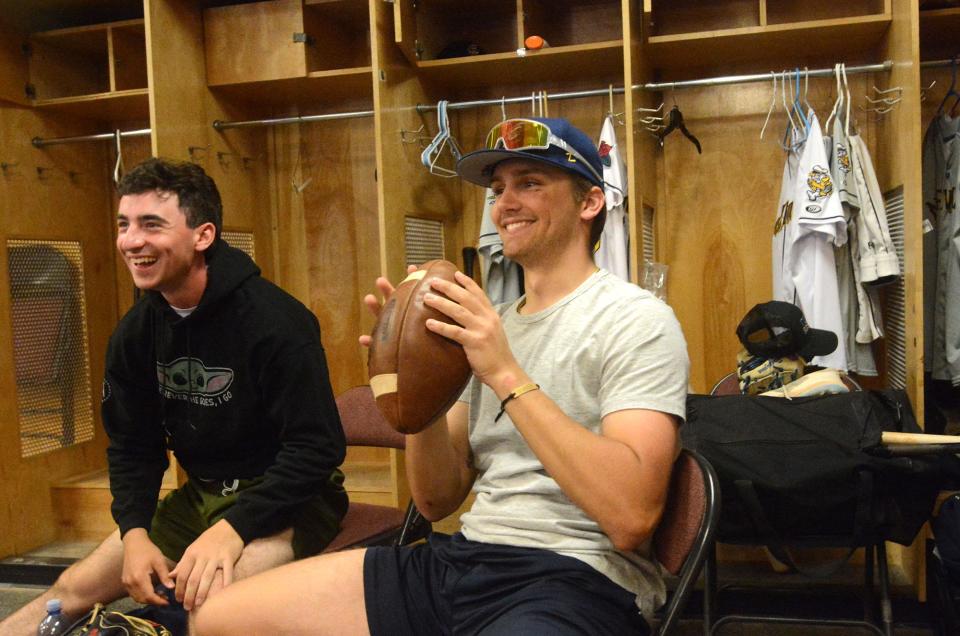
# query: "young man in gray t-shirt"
567, 434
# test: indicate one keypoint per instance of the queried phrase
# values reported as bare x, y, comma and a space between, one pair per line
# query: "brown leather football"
415, 374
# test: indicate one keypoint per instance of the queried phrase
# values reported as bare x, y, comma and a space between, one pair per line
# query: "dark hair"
196, 192
582, 186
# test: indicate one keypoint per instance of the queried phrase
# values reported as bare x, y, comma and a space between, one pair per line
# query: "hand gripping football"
415, 374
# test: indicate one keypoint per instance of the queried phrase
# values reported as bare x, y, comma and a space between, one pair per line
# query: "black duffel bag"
812, 470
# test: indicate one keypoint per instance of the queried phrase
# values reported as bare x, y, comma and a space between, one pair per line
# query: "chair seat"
366, 524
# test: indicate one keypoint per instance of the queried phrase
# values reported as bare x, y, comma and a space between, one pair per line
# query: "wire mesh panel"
50, 351
649, 234
423, 240
240, 240
895, 318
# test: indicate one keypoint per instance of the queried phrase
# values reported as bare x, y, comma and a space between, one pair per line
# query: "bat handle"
469, 260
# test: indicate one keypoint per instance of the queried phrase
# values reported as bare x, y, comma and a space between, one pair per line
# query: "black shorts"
454, 586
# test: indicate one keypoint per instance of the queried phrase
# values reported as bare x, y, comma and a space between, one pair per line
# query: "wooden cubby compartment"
89, 60
282, 39
128, 45
791, 11
69, 62
571, 22
339, 34
445, 28
939, 26
672, 17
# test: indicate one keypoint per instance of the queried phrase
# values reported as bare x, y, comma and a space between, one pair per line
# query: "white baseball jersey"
854, 300
501, 276
612, 255
878, 255
941, 170
808, 227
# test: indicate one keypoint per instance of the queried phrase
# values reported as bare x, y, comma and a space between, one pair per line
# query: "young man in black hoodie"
226, 370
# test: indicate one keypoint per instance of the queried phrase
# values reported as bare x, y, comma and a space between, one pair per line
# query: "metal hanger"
443, 141
792, 138
615, 116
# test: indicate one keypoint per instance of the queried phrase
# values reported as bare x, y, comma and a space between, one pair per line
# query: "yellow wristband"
517, 392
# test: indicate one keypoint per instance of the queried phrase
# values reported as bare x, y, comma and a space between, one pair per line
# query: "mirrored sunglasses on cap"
527, 134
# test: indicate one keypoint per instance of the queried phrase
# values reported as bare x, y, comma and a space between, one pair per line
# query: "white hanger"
806, 88
118, 166
837, 103
773, 103
846, 95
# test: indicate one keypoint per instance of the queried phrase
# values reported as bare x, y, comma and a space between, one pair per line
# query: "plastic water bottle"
55, 622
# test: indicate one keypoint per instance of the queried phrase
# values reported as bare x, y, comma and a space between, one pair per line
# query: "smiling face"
162, 253
537, 214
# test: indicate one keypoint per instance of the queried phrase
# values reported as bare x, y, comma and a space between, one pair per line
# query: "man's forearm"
438, 471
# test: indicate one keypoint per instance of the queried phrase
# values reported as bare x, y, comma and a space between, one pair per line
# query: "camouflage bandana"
758, 374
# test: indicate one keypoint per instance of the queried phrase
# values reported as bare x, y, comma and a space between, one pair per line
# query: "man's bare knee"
93, 579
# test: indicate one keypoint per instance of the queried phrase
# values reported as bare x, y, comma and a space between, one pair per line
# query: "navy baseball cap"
552, 141
777, 329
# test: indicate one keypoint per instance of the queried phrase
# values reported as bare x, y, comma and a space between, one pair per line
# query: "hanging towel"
612, 254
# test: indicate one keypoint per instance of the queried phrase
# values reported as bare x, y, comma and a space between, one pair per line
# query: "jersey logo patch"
783, 219
189, 376
843, 158
820, 184
604, 151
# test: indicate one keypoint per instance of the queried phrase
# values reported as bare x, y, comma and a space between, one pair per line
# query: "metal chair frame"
668, 539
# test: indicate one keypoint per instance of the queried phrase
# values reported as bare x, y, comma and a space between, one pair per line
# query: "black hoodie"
237, 389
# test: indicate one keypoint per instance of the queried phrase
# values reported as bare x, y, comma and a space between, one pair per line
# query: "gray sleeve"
952, 313
645, 363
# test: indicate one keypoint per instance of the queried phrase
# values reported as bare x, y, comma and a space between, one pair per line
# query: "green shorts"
184, 514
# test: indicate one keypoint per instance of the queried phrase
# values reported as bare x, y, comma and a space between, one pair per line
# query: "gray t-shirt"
606, 347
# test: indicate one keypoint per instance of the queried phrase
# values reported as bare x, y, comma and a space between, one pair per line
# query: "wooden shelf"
129, 105
555, 63
318, 87
834, 38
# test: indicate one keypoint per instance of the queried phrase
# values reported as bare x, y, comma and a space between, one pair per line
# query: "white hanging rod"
40, 142
713, 81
